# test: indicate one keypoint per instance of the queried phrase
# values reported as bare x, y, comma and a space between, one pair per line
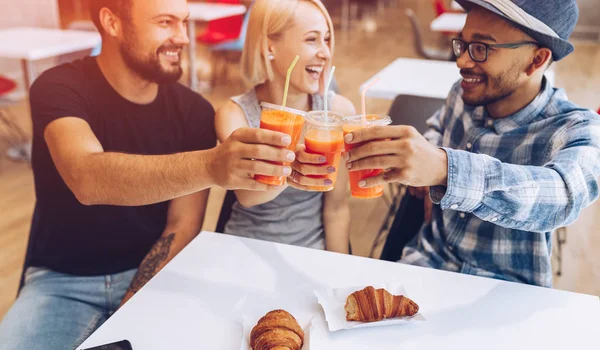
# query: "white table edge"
92, 39
208, 234
435, 26
374, 92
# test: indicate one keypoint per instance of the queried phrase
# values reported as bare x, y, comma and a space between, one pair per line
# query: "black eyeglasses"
478, 51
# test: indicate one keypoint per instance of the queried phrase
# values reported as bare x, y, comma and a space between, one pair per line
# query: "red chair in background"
12, 133
221, 30
441, 7
598, 110
6, 85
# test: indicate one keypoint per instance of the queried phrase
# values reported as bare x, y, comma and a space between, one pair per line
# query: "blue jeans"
59, 311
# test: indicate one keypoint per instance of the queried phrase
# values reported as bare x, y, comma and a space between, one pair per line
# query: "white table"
197, 300
32, 44
449, 22
205, 12
416, 77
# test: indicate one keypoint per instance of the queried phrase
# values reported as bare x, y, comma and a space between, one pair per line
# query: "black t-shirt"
69, 237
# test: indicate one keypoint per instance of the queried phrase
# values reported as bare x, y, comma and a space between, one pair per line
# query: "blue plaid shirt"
511, 182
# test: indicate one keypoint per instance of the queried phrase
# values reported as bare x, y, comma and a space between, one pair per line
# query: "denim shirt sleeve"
530, 198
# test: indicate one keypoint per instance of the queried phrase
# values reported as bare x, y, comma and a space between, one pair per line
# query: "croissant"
277, 330
370, 304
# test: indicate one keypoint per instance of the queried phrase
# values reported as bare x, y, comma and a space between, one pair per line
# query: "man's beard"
149, 68
503, 86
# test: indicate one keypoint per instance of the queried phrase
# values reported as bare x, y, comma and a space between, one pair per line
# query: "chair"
223, 29
235, 43
561, 240
227, 49
19, 147
440, 7
225, 213
426, 51
414, 111
406, 225
6, 85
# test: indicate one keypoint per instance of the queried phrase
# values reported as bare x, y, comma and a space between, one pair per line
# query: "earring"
271, 57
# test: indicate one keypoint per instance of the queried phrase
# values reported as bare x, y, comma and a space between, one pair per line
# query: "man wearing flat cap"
508, 159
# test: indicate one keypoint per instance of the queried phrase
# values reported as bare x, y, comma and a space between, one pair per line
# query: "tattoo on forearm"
152, 262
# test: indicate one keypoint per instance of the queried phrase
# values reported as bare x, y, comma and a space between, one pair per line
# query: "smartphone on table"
120, 345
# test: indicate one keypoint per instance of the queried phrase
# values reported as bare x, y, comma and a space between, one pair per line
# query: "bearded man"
123, 157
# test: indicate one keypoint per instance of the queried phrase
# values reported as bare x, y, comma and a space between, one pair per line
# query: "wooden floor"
359, 55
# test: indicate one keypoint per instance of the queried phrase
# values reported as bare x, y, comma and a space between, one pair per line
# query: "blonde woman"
278, 31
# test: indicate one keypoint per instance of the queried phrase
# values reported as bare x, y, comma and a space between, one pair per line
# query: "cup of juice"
286, 120
325, 136
356, 123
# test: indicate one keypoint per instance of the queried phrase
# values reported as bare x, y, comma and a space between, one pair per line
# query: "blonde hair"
269, 19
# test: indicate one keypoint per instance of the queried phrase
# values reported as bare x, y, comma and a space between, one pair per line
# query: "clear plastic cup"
325, 137
286, 120
356, 123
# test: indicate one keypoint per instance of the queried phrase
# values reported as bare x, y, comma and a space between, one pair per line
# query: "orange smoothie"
352, 124
329, 143
285, 120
